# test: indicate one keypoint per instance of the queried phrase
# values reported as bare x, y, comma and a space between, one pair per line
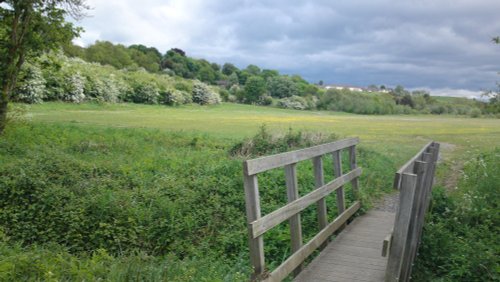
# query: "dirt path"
388, 203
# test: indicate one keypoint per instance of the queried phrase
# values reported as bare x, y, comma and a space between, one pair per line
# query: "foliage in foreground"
460, 241
54, 263
70, 193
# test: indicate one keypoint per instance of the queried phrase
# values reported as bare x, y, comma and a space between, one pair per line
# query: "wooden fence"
414, 180
258, 224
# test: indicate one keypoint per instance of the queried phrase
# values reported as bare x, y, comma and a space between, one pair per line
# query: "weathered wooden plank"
319, 181
337, 164
274, 218
420, 169
386, 245
401, 226
256, 244
379, 262
341, 260
295, 225
353, 165
352, 269
255, 166
298, 257
363, 244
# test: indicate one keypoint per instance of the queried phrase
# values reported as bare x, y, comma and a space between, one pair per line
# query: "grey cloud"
416, 43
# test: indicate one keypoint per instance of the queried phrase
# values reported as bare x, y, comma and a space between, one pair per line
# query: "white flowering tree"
32, 88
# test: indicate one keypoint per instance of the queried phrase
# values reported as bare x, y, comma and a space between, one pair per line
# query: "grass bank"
151, 190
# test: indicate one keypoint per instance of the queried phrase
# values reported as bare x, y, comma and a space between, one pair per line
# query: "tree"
229, 69
27, 28
253, 70
282, 87
255, 88
106, 53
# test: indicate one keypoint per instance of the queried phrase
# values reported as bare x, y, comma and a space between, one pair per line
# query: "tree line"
32, 28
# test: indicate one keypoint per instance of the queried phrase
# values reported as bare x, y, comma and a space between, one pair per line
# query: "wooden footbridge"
376, 246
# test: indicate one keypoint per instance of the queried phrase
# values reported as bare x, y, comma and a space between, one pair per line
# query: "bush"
74, 87
266, 100
203, 95
475, 113
147, 93
224, 94
265, 142
438, 109
32, 87
460, 238
282, 87
294, 102
176, 97
103, 90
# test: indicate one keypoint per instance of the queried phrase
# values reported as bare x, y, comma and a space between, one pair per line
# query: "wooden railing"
258, 225
414, 180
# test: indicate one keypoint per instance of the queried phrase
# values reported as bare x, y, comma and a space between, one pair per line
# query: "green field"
131, 192
396, 136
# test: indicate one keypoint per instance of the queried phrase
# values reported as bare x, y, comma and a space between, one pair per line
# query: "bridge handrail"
258, 225
414, 180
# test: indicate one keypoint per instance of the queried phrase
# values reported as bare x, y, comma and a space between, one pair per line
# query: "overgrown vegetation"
460, 240
107, 203
266, 143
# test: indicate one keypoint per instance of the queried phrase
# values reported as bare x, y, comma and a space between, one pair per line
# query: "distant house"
344, 87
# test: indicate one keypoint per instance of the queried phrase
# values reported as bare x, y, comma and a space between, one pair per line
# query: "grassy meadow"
235, 121
127, 192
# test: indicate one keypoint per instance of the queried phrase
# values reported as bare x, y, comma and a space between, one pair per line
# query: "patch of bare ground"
455, 167
388, 203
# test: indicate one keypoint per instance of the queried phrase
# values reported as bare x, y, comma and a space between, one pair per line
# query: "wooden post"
411, 245
337, 163
353, 166
253, 213
321, 206
401, 227
295, 225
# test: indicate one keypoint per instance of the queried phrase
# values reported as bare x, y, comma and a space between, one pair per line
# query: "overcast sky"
442, 45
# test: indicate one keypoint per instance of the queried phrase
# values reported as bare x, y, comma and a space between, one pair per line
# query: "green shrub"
460, 239
176, 97
266, 100
121, 192
74, 86
475, 113
203, 95
265, 142
294, 102
32, 87
147, 93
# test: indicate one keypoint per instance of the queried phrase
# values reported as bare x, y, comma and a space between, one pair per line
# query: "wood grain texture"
319, 181
292, 190
255, 166
261, 225
355, 254
298, 257
256, 244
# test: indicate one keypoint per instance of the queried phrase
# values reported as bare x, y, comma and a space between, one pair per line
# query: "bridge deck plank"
355, 255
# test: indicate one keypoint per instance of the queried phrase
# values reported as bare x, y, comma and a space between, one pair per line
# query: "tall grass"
139, 199
460, 239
